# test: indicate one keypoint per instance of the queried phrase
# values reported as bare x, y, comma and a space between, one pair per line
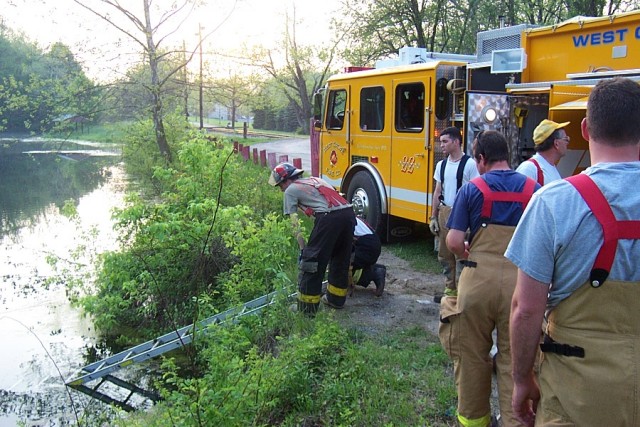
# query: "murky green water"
43, 340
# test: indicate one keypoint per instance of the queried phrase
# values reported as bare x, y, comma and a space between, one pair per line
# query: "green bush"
210, 239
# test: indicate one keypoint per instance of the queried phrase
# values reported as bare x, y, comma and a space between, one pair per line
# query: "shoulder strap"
491, 196
612, 229
333, 198
442, 167
460, 174
540, 173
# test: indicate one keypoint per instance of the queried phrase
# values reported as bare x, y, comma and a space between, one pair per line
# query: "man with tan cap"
551, 142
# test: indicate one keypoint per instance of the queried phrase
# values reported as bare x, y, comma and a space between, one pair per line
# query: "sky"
104, 51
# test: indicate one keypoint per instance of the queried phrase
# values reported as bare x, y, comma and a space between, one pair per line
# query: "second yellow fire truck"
376, 131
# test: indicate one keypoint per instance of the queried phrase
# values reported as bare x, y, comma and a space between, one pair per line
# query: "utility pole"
201, 108
186, 82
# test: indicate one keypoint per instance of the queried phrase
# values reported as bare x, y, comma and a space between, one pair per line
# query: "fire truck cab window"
410, 107
337, 107
372, 108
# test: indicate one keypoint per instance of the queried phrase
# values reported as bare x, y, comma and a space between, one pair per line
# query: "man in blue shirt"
489, 206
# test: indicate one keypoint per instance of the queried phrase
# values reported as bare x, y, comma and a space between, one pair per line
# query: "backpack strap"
443, 165
612, 229
333, 198
540, 173
491, 196
460, 173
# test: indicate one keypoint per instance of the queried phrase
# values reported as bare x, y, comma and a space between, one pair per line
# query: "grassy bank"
280, 368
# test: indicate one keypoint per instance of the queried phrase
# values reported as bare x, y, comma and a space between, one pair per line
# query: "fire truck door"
334, 155
409, 148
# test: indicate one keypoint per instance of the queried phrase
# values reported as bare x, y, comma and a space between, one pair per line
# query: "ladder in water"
179, 338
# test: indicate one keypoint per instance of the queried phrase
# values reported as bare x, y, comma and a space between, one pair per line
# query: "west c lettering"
602, 37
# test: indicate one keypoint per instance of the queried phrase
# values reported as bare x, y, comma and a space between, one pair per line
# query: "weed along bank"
376, 131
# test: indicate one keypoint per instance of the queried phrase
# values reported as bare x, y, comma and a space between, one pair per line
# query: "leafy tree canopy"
376, 29
40, 89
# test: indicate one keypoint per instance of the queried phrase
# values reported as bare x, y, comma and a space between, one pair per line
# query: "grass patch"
418, 250
106, 132
407, 380
294, 371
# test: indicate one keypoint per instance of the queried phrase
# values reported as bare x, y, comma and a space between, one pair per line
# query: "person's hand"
466, 250
524, 400
434, 226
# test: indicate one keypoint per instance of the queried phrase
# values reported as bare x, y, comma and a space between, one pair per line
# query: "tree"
129, 96
234, 92
39, 88
150, 34
377, 29
299, 70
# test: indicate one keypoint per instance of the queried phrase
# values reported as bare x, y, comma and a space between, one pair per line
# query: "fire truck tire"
363, 194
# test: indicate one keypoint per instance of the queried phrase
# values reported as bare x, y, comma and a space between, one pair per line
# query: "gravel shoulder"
407, 300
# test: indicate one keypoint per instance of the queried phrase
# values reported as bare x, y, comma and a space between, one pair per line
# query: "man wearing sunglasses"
551, 142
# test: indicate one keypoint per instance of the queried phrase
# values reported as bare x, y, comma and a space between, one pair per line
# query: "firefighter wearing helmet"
330, 240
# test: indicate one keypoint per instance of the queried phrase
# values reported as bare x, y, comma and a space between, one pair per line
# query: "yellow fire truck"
376, 131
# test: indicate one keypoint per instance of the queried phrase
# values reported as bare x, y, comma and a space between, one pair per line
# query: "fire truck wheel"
363, 194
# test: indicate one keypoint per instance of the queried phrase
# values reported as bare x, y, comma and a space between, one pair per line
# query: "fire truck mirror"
442, 99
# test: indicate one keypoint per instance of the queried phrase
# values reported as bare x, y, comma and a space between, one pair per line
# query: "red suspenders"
540, 174
332, 197
491, 196
612, 229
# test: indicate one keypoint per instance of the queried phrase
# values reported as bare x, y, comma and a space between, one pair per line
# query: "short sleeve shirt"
468, 205
361, 229
449, 188
549, 171
558, 238
303, 194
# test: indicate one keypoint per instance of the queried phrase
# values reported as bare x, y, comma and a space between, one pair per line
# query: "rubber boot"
379, 278
365, 277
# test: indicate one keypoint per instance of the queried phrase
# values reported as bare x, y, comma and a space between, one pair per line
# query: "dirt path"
407, 300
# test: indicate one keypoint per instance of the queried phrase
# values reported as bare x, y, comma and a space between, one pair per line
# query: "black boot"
379, 278
366, 277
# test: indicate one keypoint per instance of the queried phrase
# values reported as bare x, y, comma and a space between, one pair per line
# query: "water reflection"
30, 182
44, 340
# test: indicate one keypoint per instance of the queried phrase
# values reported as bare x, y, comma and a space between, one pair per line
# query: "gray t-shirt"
303, 194
558, 238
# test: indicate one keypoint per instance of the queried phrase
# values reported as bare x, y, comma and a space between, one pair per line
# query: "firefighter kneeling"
330, 240
366, 250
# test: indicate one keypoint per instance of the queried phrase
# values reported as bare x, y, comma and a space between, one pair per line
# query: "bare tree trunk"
156, 107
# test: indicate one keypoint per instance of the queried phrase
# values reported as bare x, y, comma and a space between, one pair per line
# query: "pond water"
43, 340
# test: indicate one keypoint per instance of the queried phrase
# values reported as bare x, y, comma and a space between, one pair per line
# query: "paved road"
294, 148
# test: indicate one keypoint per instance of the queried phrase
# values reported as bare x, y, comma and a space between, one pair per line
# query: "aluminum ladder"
102, 369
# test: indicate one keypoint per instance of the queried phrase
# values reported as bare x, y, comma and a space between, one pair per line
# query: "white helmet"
282, 172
